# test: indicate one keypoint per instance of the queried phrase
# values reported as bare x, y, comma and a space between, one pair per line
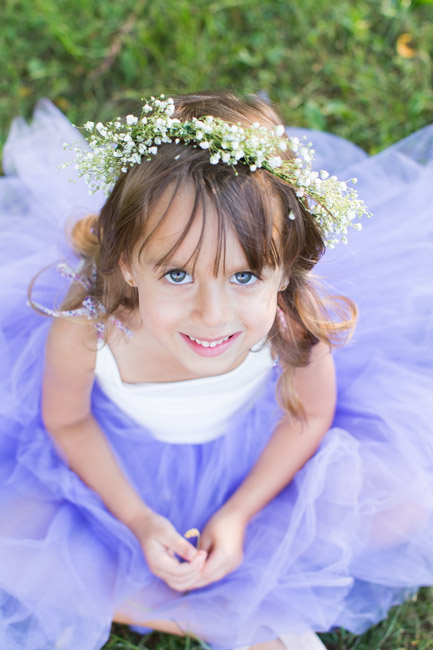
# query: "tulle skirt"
350, 536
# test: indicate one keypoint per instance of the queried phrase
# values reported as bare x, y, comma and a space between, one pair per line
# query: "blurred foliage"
327, 64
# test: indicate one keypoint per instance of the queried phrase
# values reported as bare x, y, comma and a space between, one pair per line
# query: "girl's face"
205, 323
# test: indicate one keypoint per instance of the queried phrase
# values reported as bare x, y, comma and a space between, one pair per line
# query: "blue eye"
245, 278
178, 277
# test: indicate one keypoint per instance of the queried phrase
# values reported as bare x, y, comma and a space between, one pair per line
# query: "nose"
212, 307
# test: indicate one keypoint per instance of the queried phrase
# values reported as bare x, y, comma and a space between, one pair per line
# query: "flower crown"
120, 144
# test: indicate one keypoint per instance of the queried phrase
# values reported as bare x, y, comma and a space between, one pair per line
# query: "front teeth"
207, 344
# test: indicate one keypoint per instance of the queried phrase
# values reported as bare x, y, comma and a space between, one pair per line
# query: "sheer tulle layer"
352, 534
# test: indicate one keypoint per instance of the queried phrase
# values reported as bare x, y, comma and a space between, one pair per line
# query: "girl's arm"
68, 379
291, 445
67, 385
293, 442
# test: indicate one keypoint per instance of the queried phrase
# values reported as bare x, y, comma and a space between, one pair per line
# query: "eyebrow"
172, 263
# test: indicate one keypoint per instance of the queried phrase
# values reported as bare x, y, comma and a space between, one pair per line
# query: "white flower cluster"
118, 145
333, 203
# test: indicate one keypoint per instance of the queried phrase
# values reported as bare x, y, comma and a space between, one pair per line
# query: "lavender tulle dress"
352, 534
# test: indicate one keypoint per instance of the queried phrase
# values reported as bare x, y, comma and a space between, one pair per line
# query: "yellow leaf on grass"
62, 103
24, 91
403, 46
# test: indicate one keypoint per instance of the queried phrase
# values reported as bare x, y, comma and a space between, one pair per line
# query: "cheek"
261, 311
159, 312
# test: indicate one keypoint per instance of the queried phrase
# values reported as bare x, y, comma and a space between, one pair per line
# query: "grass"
361, 69
328, 64
123, 639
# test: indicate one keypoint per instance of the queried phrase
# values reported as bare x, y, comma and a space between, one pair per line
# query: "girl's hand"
161, 543
223, 540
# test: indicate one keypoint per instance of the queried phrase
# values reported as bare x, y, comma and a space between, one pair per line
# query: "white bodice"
190, 411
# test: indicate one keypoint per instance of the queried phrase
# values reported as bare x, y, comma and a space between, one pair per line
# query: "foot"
307, 641
276, 644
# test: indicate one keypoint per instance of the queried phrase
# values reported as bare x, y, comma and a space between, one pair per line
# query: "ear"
126, 270
124, 266
284, 282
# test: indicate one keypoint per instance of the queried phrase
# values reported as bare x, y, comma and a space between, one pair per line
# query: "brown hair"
252, 204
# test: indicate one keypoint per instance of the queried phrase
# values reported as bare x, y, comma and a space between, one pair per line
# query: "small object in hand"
193, 532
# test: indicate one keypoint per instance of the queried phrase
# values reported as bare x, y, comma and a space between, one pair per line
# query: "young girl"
187, 455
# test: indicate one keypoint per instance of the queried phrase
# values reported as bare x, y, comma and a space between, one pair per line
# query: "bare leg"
269, 645
171, 628
161, 626
307, 641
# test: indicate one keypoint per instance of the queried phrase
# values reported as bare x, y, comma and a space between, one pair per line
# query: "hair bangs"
247, 206
243, 208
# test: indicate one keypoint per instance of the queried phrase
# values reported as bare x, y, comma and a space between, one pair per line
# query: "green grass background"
328, 64
359, 68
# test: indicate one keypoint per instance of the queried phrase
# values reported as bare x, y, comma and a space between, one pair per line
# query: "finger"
171, 567
218, 565
206, 579
185, 582
204, 582
215, 563
188, 582
205, 543
182, 547
183, 585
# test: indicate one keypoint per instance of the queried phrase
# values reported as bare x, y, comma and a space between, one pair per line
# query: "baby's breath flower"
119, 145
275, 162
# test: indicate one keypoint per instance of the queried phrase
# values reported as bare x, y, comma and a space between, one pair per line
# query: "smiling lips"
210, 347
209, 344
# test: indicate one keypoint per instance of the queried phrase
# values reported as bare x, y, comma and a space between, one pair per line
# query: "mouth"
210, 347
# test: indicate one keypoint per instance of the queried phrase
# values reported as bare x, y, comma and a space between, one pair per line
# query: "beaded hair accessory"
118, 145
91, 308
